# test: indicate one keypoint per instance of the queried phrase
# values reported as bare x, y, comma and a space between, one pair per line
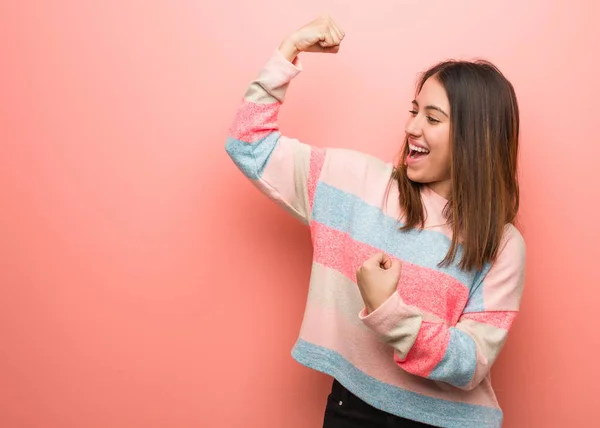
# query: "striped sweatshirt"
425, 354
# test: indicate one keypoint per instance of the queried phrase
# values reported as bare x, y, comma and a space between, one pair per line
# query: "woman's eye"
432, 120
413, 112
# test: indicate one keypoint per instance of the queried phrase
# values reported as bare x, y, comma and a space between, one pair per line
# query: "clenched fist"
378, 279
320, 35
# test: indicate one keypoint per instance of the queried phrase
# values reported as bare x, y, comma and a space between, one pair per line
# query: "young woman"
418, 270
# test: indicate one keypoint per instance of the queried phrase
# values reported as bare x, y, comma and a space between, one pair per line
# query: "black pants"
346, 410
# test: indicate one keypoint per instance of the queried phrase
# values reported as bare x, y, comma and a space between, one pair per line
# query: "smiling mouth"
416, 151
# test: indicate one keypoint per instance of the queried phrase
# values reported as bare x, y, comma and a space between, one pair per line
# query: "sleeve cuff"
277, 73
387, 316
280, 70
295, 66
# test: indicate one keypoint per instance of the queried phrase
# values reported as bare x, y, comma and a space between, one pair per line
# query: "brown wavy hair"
484, 138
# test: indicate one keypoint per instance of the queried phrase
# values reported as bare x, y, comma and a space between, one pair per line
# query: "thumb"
378, 259
385, 261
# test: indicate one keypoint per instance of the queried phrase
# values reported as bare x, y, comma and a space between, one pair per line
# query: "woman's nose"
413, 127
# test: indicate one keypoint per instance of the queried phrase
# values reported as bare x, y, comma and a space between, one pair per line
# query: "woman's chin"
415, 176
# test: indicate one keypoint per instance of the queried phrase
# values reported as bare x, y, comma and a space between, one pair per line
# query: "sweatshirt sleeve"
460, 355
283, 168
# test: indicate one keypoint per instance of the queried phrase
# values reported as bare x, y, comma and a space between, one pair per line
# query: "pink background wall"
145, 283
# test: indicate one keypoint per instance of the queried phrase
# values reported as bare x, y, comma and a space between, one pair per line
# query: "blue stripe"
475, 303
252, 158
391, 399
457, 367
365, 223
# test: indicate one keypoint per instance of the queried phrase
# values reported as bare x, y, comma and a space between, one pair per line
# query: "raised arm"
282, 167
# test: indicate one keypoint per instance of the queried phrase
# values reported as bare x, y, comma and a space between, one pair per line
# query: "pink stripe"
494, 318
254, 121
337, 250
317, 158
429, 290
428, 350
325, 327
433, 291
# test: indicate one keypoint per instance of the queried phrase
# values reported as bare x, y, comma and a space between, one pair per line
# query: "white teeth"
418, 149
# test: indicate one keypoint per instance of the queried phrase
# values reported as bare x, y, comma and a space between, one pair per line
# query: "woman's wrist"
288, 50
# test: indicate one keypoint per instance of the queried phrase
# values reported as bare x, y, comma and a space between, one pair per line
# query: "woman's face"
428, 132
